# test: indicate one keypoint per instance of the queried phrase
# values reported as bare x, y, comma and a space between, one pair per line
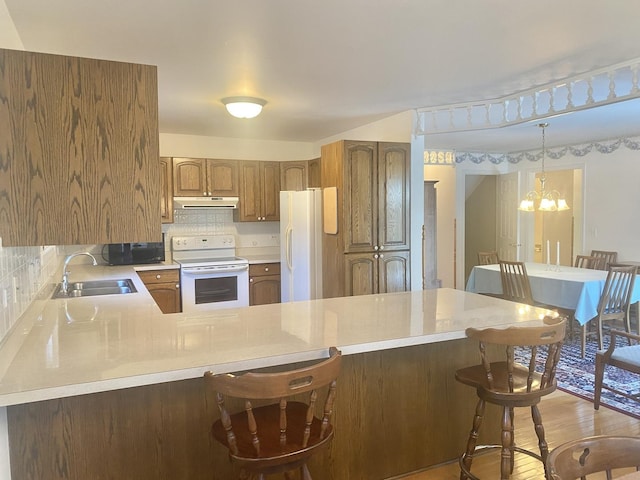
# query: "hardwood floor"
565, 417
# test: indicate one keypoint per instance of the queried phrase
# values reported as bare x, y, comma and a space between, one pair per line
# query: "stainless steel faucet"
65, 273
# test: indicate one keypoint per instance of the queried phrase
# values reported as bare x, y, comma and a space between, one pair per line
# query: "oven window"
215, 290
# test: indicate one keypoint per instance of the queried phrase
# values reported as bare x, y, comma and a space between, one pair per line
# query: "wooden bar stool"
579, 459
279, 436
510, 384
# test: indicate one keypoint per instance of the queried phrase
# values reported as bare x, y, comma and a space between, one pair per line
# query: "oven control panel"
203, 242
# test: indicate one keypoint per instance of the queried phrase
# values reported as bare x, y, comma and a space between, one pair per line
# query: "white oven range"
211, 276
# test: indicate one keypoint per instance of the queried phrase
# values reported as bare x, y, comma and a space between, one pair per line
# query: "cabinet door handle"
177, 285
266, 269
251, 280
158, 277
381, 247
375, 255
375, 247
382, 255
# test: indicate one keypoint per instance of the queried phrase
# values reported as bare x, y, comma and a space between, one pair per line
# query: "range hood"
205, 202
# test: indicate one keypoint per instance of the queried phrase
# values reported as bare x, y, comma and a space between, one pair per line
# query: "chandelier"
550, 200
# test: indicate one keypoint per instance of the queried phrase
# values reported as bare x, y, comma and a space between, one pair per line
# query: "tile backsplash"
24, 271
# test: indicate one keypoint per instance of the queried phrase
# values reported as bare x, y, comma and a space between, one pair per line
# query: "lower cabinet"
264, 283
164, 287
368, 273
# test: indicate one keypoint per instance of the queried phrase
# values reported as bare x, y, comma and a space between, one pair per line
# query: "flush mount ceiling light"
244, 107
547, 198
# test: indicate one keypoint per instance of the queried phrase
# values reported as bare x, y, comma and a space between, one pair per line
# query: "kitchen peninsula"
109, 387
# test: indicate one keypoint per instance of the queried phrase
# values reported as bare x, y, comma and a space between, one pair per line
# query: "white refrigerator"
301, 245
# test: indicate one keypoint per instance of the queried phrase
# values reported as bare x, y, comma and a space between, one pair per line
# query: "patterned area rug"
576, 375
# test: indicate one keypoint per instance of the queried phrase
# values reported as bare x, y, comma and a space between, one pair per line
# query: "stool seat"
511, 384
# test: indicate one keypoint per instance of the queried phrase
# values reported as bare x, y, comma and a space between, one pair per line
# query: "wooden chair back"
616, 295
609, 257
282, 419
593, 455
487, 258
510, 376
591, 262
515, 282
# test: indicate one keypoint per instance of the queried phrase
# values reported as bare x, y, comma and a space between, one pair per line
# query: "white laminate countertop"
74, 346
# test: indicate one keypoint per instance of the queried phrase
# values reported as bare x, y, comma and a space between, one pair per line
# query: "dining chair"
590, 262
509, 382
615, 302
609, 257
515, 284
280, 436
594, 455
487, 258
625, 357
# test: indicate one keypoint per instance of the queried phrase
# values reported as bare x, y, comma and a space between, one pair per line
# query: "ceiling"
328, 66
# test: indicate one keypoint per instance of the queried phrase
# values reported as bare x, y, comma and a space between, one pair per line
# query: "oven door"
214, 287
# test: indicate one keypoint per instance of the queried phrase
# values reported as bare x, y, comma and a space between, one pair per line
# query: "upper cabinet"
198, 177
293, 176
313, 173
78, 151
259, 192
369, 252
166, 190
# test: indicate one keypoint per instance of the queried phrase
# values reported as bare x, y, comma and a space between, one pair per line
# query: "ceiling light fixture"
244, 107
548, 202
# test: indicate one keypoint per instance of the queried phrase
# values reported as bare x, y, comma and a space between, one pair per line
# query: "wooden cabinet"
198, 177
293, 176
164, 287
368, 273
313, 173
373, 182
78, 151
166, 190
264, 283
259, 192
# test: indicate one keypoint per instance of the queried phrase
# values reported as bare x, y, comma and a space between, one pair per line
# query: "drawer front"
260, 269
160, 276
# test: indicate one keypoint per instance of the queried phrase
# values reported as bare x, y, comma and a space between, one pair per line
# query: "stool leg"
506, 462
542, 443
473, 438
599, 378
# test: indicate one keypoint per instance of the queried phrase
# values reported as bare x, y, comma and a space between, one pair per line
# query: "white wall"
611, 202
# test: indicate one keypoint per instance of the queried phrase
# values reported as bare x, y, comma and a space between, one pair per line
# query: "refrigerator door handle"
289, 246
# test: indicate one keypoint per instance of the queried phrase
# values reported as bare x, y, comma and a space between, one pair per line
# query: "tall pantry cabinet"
370, 249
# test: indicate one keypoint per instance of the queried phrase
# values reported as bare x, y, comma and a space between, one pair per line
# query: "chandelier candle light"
548, 201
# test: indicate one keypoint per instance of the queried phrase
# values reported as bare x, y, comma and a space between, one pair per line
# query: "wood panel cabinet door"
270, 178
189, 177
361, 273
166, 195
222, 178
259, 192
167, 296
394, 168
78, 151
313, 173
293, 176
360, 212
394, 272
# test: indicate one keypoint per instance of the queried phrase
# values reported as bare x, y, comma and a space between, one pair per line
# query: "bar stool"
592, 455
510, 384
282, 435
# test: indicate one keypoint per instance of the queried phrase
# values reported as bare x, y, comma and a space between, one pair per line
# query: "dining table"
571, 288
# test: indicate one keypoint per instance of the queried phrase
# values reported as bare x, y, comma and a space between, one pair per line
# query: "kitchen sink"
95, 287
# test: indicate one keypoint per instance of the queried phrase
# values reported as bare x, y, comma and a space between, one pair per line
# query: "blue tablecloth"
572, 288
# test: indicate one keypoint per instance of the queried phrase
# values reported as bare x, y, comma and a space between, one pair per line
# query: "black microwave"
135, 253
